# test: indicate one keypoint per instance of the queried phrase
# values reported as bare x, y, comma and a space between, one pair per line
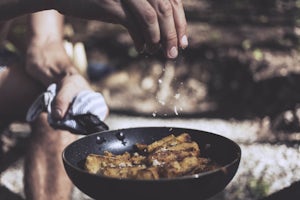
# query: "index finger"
147, 19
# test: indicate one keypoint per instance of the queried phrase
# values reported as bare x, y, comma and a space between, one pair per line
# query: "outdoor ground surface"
239, 77
266, 168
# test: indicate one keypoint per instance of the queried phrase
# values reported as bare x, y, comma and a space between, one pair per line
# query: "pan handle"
86, 124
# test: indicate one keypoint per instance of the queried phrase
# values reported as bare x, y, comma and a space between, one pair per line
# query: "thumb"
61, 104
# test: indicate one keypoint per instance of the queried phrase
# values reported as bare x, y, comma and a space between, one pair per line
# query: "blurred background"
239, 77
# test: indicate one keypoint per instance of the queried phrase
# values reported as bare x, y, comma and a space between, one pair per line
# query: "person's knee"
46, 135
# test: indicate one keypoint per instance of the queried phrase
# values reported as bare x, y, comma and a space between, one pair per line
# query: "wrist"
39, 23
46, 79
45, 40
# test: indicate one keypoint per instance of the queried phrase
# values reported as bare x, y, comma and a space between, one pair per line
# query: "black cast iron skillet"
199, 186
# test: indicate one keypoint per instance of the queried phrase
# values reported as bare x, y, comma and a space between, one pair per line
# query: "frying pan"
198, 186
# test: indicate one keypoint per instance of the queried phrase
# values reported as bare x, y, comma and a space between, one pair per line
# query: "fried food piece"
169, 157
177, 152
166, 141
205, 164
137, 159
148, 173
184, 137
122, 172
179, 168
169, 140
94, 162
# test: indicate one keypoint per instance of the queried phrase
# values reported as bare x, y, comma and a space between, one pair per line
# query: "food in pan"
170, 157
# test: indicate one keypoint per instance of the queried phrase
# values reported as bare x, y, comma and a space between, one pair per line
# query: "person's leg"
45, 177
17, 92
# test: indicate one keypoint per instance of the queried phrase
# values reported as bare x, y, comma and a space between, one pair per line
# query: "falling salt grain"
159, 81
154, 114
162, 102
177, 96
175, 110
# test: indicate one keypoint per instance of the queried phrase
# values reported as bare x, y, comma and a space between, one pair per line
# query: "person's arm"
48, 62
151, 23
46, 25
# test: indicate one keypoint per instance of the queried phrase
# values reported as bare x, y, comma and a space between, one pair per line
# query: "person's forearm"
14, 8
46, 26
47, 60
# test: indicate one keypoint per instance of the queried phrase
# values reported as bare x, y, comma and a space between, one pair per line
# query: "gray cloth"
2, 68
84, 116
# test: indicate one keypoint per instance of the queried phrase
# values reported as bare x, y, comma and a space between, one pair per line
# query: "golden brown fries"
170, 157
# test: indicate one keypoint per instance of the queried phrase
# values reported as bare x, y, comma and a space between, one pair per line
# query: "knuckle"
182, 28
171, 37
58, 103
150, 16
177, 3
155, 40
165, 8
